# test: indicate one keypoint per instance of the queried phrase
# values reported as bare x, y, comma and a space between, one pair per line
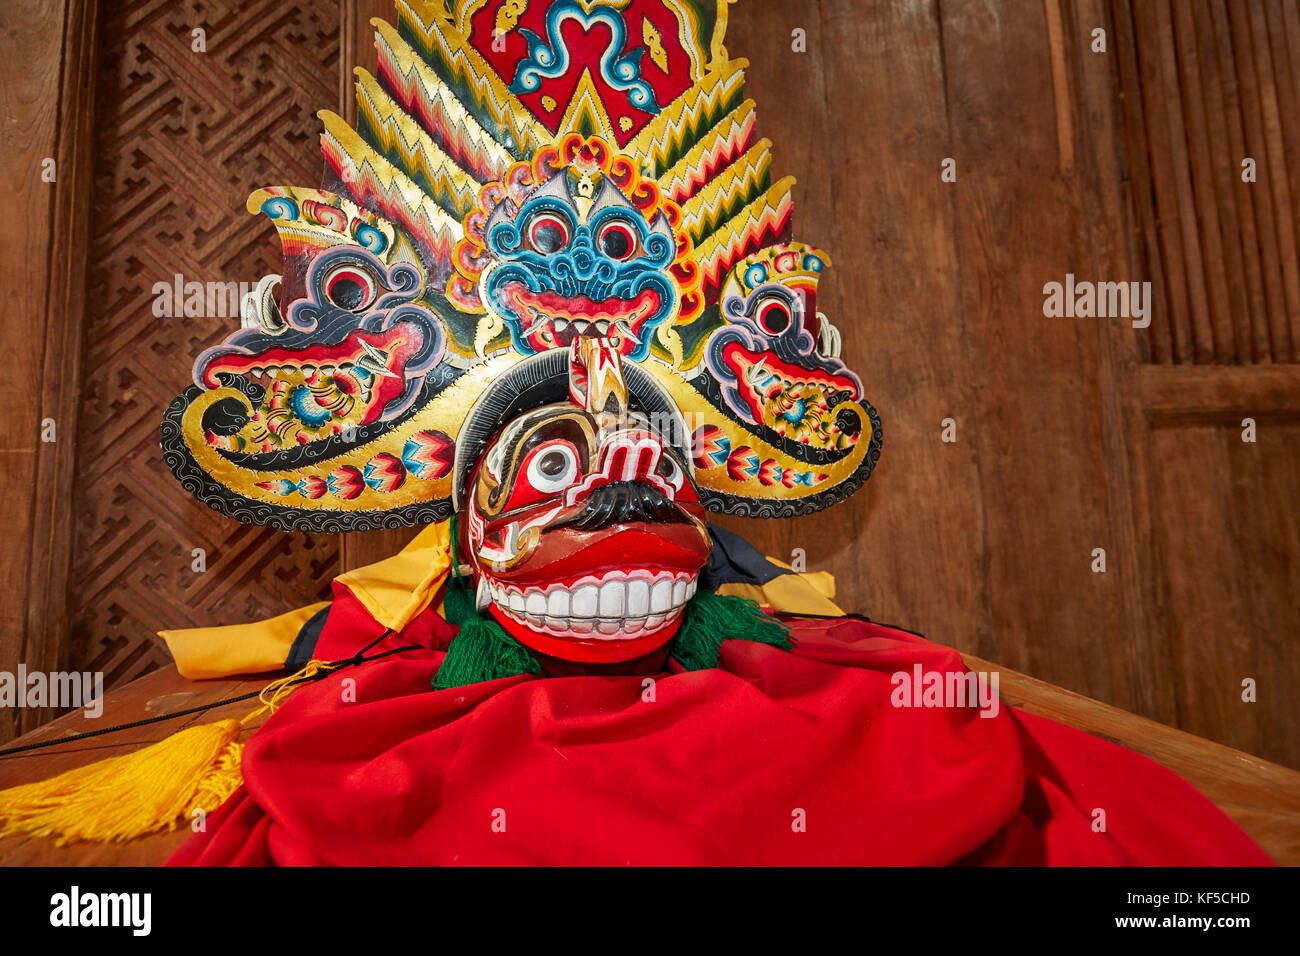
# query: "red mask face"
585, 532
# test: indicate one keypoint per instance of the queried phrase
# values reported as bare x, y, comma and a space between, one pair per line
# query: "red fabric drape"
772, 758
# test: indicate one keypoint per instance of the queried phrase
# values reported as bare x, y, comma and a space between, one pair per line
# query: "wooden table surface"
1262, 797
163, 691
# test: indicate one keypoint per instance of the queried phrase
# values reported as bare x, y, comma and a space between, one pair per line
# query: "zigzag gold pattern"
750, 229
444, 118
586, 114
421, 158
371, 177
690, 117
489, 97
736, 186
432, 100
710, 155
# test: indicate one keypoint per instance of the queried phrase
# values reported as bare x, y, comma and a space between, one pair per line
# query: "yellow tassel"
157, 788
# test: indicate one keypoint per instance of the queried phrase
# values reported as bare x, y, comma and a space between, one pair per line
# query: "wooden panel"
182, 138
1199, 393
47, 101
1206, 85
1227, 532
985, 544
861, 121
1046, 604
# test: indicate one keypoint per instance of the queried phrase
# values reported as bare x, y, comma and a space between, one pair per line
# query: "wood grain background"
1072, 434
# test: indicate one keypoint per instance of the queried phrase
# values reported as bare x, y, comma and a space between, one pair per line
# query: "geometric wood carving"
182, 138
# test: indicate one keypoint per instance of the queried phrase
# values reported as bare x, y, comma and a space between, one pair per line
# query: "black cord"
334, 667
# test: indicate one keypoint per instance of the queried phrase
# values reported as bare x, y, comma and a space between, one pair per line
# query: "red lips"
564, 555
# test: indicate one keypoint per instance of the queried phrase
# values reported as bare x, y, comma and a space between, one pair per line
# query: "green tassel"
481, 650
710, 619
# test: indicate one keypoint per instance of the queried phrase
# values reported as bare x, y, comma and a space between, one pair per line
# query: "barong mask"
535, 197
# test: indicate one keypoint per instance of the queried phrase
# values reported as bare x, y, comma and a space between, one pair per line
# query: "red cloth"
719, 768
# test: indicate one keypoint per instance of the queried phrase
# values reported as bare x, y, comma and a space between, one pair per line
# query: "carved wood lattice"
182, 137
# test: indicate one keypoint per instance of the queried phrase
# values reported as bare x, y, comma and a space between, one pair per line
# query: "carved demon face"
584, 530
566, 268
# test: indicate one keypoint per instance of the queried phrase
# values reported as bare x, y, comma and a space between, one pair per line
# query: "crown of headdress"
522, 175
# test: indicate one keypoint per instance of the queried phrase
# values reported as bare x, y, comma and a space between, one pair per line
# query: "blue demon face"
568, 266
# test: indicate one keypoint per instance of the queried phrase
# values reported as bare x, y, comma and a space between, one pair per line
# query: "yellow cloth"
205, 652
801, 592
396, 590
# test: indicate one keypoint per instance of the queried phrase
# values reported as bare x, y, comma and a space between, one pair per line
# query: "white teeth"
638, 598
602, 326
610, 606
557, 605
661, 596
612, 599
584, 601
560, 324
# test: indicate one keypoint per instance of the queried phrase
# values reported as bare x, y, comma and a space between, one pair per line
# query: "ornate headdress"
525, 180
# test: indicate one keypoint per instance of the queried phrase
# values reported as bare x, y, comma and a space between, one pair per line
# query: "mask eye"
670, 471
552, 468
350, 288
618, 240
545, 472
547, 233
773, 316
